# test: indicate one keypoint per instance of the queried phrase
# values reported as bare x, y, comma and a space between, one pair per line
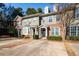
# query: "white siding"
24, 31
31, 21
45, 20
27, 24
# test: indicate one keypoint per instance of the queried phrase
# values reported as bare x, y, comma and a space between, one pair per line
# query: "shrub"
36, 37
72, 38
56, 38
12, 32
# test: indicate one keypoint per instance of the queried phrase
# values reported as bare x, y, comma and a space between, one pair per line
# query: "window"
78, 30
50, 19
73, 31
55, 31
77, 13
57, 17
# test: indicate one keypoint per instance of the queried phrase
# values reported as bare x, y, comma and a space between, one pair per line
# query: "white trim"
76, 30
58, 31
45, 31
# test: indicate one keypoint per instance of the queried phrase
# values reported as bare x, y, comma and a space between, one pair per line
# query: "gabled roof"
16, 18
33, 15
52, 13
40, 14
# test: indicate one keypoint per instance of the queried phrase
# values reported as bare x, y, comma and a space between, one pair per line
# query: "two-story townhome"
74, 26
50, 24
71, 18
42, 25
28, 25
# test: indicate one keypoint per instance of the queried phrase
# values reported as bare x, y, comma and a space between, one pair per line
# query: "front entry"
43, 32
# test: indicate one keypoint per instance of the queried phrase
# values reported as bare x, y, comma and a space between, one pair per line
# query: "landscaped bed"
55, 38
75, 38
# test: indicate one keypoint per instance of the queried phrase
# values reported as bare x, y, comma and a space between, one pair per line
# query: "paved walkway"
75, 47
36, 48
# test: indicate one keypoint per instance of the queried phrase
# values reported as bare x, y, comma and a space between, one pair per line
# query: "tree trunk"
64, 35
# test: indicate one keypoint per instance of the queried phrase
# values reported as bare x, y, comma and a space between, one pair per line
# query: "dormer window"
49, 18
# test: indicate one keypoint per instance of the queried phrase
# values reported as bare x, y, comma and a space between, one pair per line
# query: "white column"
18, 33
39, 32
46, 31
36, 32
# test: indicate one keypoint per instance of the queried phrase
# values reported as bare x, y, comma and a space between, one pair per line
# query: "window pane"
50, 19
55, 31
78, 31
77, 13
57, 17
73, 31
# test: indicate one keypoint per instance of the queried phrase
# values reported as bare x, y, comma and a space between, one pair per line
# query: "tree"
67, 19
30, 11
2, 14
2, 4
13, 12
7, 15
17, 11
39, 10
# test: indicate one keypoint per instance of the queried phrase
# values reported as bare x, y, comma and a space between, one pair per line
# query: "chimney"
46, 10
55, 8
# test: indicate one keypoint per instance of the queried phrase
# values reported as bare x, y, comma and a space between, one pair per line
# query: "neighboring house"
30, 25
74, 26
27, 25
49, 24
18, 24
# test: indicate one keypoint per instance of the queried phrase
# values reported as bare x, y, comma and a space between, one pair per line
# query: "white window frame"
76, 31
76, 13
54, 34
49, 17
56, 18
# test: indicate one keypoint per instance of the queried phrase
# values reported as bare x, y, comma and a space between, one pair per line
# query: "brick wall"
57, 25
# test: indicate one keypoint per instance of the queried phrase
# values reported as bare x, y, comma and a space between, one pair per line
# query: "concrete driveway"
75, 47
36, 48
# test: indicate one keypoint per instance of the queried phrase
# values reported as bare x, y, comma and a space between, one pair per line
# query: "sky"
24, 6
